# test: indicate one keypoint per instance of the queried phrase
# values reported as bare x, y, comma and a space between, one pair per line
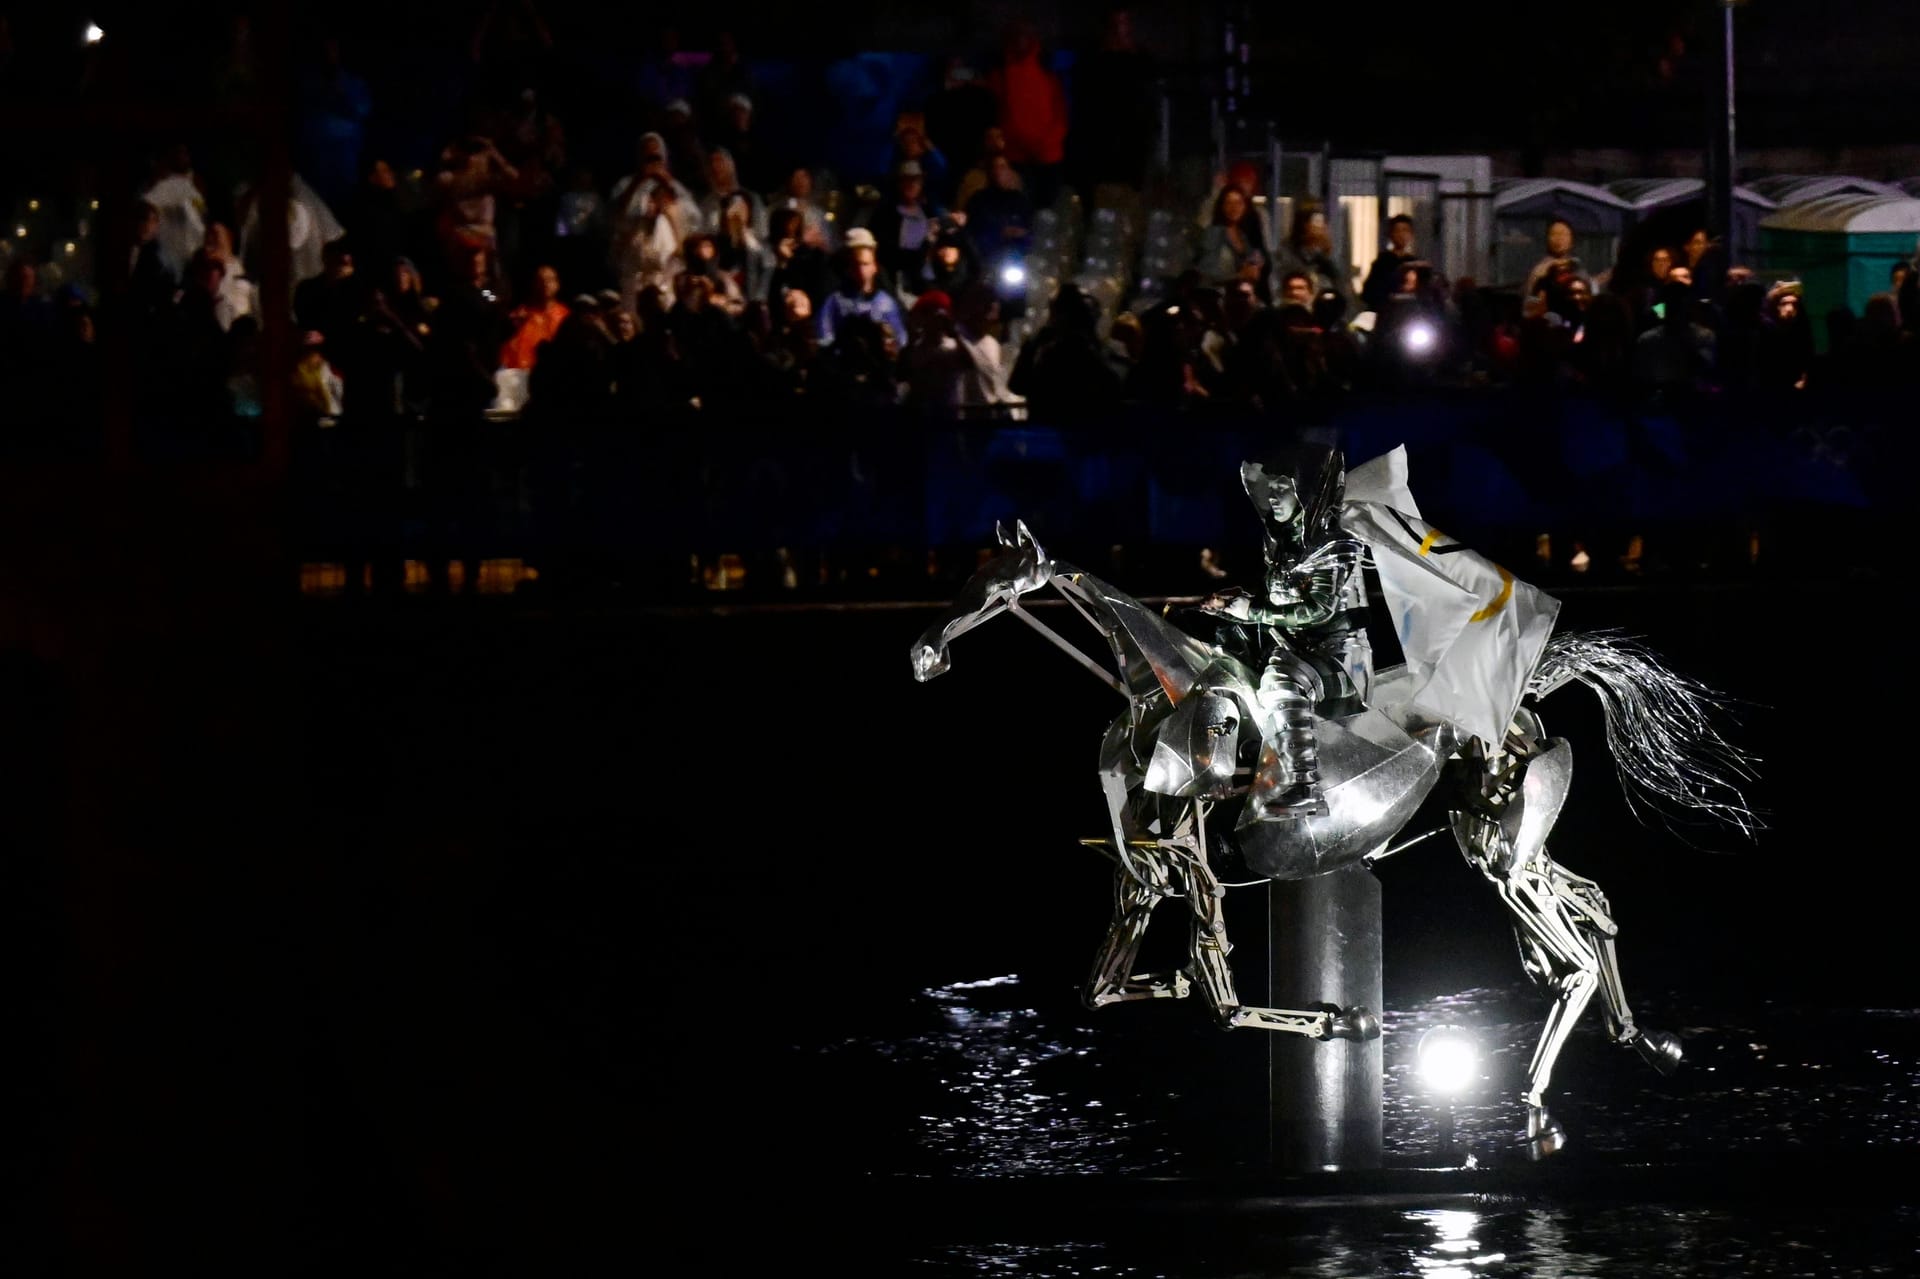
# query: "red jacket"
1033, 111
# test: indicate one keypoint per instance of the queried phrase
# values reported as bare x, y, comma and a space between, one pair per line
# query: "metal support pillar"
1324, 948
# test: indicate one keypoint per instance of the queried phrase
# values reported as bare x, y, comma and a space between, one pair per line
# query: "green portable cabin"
1841, 248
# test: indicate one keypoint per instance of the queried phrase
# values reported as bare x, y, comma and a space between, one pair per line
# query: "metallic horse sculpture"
1177, 764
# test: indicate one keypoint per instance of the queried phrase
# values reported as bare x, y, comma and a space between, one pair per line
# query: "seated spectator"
1559, 258
535, 321
861, 295
1232, 249
796, 264
723, 186
1000, 217
1383, 277
900, 226
798, 195
1309, 249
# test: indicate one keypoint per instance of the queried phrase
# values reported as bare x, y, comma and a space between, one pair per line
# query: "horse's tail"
1661, 728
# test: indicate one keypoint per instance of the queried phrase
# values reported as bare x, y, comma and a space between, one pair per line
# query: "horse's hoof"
1544, 1133
1658, 1049
1355, 1023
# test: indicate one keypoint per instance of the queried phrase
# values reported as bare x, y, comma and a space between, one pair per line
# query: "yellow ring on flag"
1499, 601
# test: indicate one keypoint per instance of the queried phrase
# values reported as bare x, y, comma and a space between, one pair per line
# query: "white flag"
1472, 633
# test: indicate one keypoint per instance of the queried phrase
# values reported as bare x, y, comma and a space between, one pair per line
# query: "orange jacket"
523, 347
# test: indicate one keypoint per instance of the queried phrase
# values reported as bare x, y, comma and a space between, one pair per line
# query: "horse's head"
1020, 567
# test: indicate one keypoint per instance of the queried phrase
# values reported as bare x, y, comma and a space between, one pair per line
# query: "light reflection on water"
1002, 1080
1607, 1242
996, 1078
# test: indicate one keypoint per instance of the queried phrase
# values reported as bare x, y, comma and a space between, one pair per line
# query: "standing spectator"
959, 115
736, 136
1000, 217
1062, 370
330, 303
319, 392
815, 229
743, 255
861, 296
1559, 258
182, 203
1232, 248
1787, 344
933, 365
992, 143
1676, 356
236, 297
724, 77
952, 264
535, 321
1033, 111
702, 254
472, 175
985, 384
652, 214
797, 266
335, 104
723, 185
900, 226
1383, 276
399, 328
469, 328
912, 146
666, 74
684, 144
1114, 116
149, 286
380, 231
581, 237
1309, 249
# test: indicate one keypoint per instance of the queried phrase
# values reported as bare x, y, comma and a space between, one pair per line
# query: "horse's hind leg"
1658, 1048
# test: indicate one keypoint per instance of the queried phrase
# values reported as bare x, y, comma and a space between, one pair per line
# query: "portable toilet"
1522, 208
1668, 197
1798, 188
1842, 248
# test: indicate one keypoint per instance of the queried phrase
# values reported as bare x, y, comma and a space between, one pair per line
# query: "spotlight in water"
1447, 1060
1013, 275
1419, 337
94, 34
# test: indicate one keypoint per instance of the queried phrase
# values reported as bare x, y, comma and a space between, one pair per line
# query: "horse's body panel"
1374, 775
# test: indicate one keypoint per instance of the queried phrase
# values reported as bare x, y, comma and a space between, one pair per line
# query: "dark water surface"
728, 918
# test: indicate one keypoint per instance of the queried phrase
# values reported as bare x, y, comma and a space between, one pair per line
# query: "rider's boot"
1287, 784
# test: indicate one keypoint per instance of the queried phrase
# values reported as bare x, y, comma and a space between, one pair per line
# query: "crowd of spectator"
505, 277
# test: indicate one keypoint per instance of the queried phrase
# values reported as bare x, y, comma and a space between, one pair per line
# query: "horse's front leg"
1113, 980
1206, 898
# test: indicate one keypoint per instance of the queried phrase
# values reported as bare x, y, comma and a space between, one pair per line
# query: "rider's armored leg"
1287, 781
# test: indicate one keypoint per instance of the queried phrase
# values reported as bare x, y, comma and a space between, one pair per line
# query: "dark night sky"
1632, 73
